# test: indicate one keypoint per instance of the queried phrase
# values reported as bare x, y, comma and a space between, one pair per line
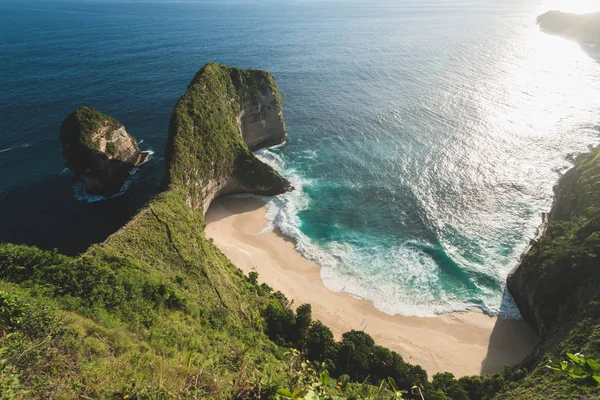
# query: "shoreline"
464, 343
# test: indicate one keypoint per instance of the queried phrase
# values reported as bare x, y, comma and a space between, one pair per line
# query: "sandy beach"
469, 343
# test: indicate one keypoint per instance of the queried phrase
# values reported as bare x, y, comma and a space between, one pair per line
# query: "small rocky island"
584, 28
98, 149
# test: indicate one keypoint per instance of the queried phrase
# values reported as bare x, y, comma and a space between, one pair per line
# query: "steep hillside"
556, 284
156, 310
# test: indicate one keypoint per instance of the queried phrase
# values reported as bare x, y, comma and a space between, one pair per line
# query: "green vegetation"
578, 367
205, 143
157, 311
111, 149
309, 384
78, 127
556, 285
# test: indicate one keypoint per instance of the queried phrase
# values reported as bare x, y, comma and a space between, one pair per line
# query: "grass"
157, 311
205, 144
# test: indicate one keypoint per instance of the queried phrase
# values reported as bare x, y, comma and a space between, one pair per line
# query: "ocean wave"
401, 279
82, 195
23, 146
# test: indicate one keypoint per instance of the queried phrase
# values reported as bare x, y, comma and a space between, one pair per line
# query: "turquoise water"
424, 136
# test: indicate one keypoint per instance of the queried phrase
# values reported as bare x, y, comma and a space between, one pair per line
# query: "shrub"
320, 345
445, 382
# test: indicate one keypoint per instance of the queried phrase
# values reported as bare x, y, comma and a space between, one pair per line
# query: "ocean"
424, 136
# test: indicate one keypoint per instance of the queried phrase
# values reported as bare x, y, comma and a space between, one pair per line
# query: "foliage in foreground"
578, 367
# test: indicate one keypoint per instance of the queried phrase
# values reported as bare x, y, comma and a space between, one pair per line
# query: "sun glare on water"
579, 6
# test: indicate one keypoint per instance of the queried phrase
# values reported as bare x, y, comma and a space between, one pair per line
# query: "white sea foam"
402, 280
23, 146
81, 194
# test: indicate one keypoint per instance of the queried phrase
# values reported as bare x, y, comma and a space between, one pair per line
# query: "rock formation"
99, 150
224, 114
558, 277
584, 28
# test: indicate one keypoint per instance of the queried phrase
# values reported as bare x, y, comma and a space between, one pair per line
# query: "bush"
445, 382
280, 323
303, 321
320, 345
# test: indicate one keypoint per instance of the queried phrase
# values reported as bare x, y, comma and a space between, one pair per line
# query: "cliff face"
171, 313
556, 277
556, 284
224, 114
584, 28
99, 150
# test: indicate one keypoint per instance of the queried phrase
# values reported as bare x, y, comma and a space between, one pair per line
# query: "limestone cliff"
99, 150
224, 114
584, 28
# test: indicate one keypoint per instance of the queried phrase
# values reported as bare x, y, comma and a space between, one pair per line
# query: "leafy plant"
10, 386
578, 367
310, 385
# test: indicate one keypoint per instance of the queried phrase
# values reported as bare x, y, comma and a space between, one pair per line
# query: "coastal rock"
584, 28
558, 277
99, 150
224, 115
261, 119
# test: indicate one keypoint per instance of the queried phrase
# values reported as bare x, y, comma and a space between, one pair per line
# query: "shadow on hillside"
511, 341
227, 206
46, 214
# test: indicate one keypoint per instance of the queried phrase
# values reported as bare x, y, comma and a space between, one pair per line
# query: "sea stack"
98, 149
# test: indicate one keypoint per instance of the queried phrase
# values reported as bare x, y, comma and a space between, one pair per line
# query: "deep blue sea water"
424, 136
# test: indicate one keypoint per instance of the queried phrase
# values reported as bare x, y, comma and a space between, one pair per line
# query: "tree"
446, 382
280, 322
303, 321
320, 345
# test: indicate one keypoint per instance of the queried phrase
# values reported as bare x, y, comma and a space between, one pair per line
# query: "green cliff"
224, 114
156, 311
556, 284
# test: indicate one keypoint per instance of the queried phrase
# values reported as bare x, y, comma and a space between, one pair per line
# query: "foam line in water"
402, 279
81, 194
23, 146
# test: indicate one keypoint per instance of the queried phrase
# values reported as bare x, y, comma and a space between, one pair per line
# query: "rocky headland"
157, 310
224, 115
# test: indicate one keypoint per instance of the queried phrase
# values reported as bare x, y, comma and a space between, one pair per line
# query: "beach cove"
465, 343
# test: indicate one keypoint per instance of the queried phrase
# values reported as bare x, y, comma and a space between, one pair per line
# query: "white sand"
468, 343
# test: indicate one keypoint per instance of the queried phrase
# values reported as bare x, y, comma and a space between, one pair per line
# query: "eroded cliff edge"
224, 115
557, 284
